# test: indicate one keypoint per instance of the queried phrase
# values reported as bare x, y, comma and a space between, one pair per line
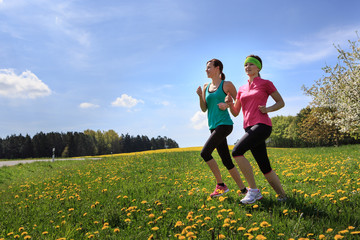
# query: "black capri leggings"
217, 140
254, 140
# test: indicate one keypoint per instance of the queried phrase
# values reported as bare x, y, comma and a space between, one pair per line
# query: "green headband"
254, 61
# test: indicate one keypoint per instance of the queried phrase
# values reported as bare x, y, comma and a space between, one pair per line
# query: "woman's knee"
206, 156
229, 164
237, 152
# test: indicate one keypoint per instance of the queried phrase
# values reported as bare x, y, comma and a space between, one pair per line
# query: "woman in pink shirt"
252, 98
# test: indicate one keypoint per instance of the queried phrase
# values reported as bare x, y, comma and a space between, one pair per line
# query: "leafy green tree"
1, 149
339, 92
92, 135
315, 132
113, 142
42, 148
27, 148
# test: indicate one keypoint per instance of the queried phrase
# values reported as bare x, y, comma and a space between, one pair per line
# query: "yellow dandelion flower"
10, 233
355, 233
221, 199
351, 228
338, 236
151, 215
16, 236
253, 229
21, 229
44, 233
155, 228
179, 224
221, 236
23, 233
265, 224
207, 218
151, 237
27, 237
127, 220
260, 237
255, 206
179, 207
329, 230
249, 215
343, 198
343, 231
181, 237
322, 236
241, 229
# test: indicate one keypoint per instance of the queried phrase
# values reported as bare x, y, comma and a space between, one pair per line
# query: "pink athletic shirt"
251, 96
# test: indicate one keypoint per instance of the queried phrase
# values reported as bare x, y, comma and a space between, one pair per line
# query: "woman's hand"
223, 106
199, 91
263, 109
228, 99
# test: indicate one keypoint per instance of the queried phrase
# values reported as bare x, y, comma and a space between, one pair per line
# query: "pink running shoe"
219, 191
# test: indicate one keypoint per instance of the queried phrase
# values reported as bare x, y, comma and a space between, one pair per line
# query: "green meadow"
165, 195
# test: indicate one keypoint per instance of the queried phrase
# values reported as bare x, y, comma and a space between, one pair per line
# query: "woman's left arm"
279, 103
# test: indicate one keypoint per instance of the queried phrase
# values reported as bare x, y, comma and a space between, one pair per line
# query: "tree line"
73, 144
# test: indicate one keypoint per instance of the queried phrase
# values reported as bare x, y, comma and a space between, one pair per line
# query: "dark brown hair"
218, 63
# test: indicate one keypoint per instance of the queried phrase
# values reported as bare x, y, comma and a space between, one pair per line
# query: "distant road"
12, 163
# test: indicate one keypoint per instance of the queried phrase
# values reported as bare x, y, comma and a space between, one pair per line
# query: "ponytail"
222, 76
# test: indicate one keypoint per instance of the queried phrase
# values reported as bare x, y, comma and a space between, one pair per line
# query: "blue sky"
134, 66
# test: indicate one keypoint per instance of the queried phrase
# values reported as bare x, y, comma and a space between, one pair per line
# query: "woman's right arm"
201, 93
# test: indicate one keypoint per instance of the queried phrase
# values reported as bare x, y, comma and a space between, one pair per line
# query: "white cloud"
165, 103
25, 85
314, 48
126, 101
199, 120
86, 105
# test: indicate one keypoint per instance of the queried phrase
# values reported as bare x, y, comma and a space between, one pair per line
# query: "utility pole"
53, 155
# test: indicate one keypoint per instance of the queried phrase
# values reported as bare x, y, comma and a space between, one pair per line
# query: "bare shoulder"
228, 85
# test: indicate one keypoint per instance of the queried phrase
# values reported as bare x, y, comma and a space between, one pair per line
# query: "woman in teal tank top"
212, 100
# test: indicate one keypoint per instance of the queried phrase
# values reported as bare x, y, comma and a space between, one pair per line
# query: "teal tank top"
216, 117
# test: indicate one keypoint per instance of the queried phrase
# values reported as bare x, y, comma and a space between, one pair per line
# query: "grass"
164, 195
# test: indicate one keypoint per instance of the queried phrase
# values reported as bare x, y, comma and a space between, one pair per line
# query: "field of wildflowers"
165, 195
